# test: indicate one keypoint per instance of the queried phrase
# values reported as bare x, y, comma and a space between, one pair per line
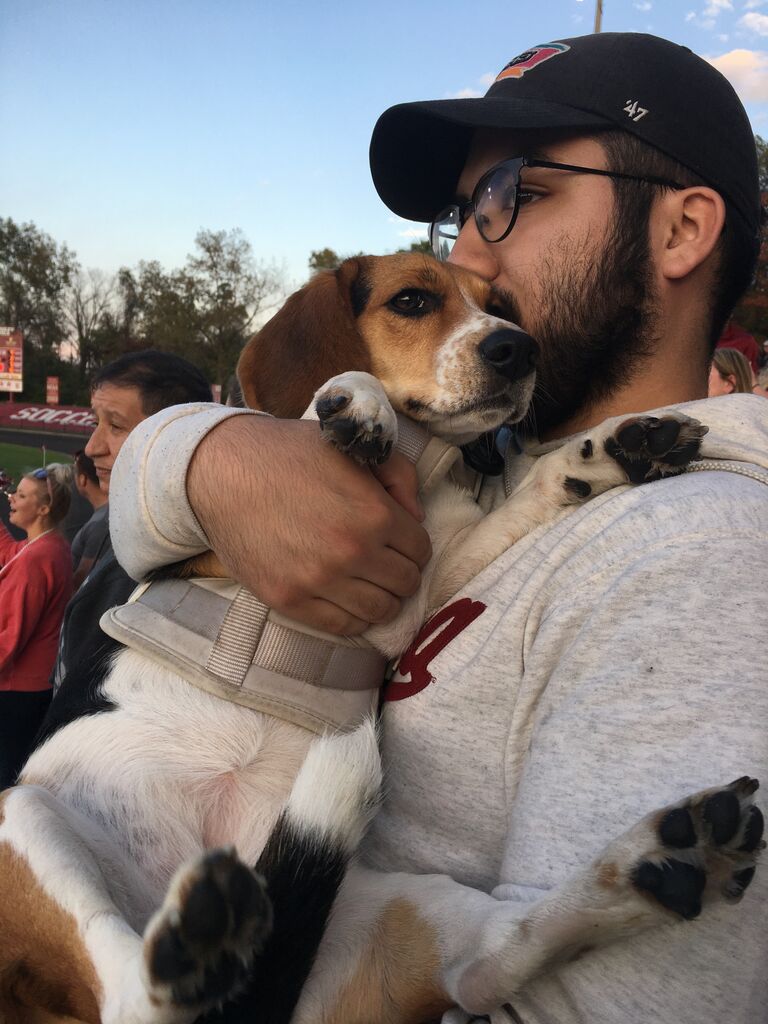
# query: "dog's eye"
412, 302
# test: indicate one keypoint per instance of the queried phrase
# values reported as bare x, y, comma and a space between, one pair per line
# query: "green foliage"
324, 259
73, 321
422, 246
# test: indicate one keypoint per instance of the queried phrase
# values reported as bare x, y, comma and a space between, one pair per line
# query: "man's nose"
471, 251
94, 444
511, 353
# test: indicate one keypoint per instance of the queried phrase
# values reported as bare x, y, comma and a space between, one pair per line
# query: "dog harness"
221, 638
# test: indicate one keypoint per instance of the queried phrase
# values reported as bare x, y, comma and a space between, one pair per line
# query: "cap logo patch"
530, 59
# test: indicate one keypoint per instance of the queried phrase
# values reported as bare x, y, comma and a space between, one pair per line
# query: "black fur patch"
359, 294
303, 874
80, 693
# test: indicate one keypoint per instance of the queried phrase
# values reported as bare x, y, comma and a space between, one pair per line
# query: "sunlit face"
117, 410
29, 503
719, 385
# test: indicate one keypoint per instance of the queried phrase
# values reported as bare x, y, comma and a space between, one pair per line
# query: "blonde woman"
730, 373
35, 585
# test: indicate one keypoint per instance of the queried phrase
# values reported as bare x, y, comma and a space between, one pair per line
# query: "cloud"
642, 5
750, 5
747, 71
715, 7
472, 91
420, 233
755, 23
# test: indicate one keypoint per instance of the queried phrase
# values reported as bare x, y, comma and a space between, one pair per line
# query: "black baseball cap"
659, 91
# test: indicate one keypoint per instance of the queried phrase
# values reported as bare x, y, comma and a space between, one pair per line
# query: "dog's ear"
311, 339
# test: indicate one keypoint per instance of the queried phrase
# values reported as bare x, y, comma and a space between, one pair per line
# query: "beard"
597, 328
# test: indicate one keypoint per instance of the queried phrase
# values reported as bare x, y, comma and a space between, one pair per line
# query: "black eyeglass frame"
463, 209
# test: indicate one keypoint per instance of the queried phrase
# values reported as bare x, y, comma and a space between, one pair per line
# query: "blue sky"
128, 125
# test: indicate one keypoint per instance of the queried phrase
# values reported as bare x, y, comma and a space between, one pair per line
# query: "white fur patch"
336, 792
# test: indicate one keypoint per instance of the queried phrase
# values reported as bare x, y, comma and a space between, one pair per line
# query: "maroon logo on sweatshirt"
434, 635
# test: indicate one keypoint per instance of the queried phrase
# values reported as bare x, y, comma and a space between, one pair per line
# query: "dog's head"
439, 338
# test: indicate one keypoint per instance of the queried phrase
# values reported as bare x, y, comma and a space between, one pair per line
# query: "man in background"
123, 393
92, 539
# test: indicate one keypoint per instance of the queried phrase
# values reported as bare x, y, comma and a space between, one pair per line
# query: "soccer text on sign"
11, 360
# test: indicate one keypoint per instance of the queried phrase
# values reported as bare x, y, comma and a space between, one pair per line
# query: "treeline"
75, 320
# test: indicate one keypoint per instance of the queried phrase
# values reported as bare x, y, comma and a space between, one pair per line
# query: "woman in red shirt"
35, 585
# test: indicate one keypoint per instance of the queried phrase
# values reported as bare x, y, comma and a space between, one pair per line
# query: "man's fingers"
326, 616
398, 476
407, 537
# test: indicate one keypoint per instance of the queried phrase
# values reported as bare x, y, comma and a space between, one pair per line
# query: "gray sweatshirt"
607, 664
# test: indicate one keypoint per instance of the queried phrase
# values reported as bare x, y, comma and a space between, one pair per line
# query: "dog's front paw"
356, 416
651, 447
199, 947
702, 848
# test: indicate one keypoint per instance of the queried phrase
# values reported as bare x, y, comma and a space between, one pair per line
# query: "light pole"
598, 14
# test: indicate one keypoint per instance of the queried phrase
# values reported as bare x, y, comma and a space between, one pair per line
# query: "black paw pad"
676, 829
753, 833
632, 437
578, 487
221, 978
246, 897
205, 915
326, 407
170, 959
662, 436
722, 812
587, 449
636, 469
677, 886
344, 429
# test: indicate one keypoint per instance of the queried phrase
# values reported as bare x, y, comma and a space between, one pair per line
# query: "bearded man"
612, 660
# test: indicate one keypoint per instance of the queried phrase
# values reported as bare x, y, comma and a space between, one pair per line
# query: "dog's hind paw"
199, 947
356, 416
701, 849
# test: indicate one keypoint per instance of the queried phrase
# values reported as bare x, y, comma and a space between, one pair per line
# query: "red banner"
11, 360
66, 419
52, 390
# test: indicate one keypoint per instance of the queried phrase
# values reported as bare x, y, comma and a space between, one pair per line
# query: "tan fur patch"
607, 875
46, 975
398, 977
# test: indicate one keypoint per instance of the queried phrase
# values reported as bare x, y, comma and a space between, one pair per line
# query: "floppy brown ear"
312, 338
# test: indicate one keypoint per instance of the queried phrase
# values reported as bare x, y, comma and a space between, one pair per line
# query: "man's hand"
314, 535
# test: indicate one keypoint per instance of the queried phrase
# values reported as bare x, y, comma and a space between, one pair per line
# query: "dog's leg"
619, 451
67, 944
333, 799
402, 949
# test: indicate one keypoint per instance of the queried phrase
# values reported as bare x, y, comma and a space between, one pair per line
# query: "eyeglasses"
497, 197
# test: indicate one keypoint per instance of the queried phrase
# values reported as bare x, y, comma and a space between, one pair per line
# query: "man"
612, 660
92, 538
123, 393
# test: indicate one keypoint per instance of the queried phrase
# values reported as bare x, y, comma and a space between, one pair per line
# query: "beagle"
169, 854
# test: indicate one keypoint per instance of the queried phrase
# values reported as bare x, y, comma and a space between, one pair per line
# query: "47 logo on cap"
530, 59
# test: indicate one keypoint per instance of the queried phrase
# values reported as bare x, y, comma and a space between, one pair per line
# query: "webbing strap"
748, 469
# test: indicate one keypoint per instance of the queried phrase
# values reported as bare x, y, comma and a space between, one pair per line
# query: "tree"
324, 259
89, 302
762, 162
422, 246
34, 275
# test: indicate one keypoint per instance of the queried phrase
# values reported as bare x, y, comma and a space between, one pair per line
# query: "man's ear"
691, 222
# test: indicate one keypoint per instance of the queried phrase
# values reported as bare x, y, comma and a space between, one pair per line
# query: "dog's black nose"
513, 354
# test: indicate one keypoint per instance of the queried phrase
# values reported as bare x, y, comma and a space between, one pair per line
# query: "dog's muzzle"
511, 353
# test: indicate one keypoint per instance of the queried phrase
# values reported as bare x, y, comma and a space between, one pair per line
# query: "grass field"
17, 459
